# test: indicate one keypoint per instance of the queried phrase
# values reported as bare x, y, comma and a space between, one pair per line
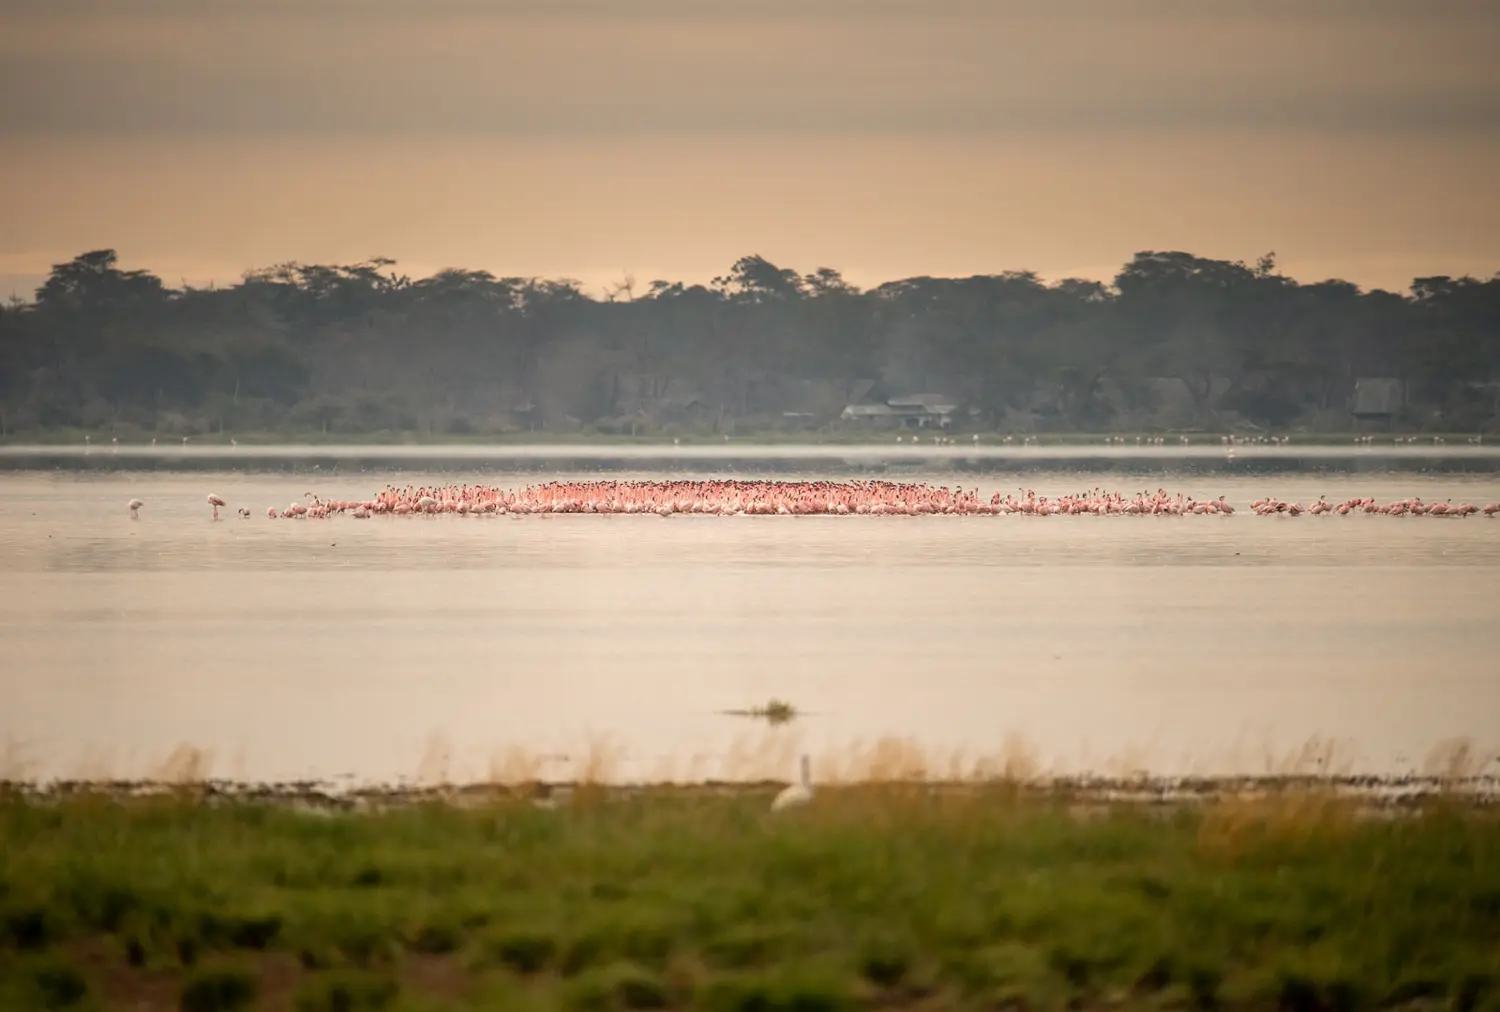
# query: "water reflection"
319, 648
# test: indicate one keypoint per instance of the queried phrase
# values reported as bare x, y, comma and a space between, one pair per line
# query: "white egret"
797, 794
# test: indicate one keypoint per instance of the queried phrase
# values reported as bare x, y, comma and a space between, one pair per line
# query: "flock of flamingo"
733, 497
1400, 507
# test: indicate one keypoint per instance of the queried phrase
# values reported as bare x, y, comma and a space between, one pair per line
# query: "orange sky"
668, 137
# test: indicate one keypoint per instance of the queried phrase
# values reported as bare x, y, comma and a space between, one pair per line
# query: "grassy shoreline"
1372, 792
872, 896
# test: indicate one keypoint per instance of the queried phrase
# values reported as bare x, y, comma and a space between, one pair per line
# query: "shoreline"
1373, 791
851, 436
711, 451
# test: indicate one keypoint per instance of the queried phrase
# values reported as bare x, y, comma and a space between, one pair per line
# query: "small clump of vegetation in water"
875, 896
776, 712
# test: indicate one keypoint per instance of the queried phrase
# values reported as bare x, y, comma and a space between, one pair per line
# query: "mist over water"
464, 647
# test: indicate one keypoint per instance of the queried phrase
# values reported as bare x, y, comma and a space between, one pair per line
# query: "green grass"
871, 897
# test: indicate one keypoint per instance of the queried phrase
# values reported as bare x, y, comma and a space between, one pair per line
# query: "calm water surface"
426, 647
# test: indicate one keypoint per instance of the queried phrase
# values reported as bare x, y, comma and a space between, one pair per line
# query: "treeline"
1177, 341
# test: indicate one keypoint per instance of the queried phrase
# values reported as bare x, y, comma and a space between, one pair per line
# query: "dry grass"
1230, 828
1317, 771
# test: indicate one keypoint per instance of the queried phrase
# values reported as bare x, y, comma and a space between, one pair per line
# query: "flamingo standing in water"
215, 502
797, 794
135, 504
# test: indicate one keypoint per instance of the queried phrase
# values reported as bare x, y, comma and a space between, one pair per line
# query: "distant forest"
1176, 342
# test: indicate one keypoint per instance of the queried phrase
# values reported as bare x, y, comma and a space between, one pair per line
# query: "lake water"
432, 647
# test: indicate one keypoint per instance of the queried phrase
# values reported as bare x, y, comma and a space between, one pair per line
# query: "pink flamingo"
215, 502
135, 504
827, 498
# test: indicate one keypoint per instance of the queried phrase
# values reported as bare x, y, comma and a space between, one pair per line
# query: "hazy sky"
665, 138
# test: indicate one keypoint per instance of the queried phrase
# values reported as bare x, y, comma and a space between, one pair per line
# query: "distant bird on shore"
135, 504
215, 502
797, 794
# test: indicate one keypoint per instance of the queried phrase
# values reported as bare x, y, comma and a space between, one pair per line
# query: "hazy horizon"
886, 139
